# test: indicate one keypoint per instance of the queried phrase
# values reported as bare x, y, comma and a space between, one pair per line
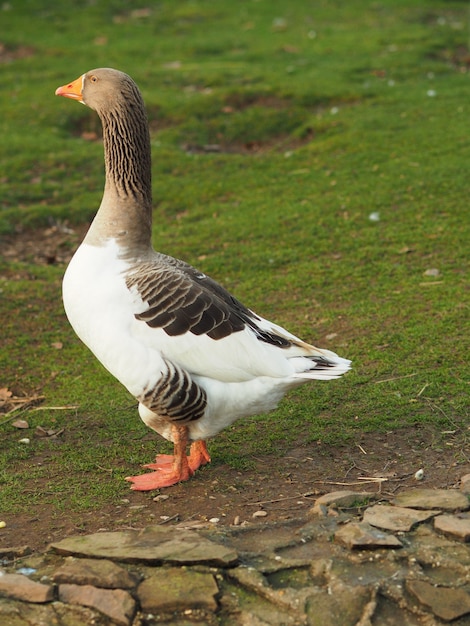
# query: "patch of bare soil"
274, 489
43, 246
10, 53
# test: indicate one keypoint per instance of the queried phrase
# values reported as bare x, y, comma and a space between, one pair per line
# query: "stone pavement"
351, 562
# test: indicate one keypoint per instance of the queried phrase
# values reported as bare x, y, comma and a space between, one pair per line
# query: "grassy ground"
312, 157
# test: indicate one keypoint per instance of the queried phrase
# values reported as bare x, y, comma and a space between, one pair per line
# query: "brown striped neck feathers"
126, 209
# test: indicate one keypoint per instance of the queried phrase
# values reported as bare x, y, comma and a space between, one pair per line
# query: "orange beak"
72, 90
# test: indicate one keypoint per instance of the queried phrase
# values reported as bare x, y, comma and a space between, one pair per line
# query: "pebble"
260, 514
161, 498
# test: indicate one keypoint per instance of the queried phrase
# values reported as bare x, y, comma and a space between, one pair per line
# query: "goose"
195, 358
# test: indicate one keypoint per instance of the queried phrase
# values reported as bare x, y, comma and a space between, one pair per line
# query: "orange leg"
172, 469
198, 455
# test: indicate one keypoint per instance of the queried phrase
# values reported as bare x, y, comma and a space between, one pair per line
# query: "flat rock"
116, 604
455, 526
465, 484
444, 499
97, 572
445, 602
174, 588
14, 552
154, 544
22, 588
16, 613
396, 518
344, 606
364, 536
343, 498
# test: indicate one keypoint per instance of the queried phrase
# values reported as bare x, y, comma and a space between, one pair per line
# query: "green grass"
324, 113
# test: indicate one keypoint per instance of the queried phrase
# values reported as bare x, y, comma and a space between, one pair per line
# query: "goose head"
101, 89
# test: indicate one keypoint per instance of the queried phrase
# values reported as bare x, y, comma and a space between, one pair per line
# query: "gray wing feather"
181, 299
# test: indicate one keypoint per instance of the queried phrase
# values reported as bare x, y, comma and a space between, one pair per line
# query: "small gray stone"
116, 604
445, 602
396, 518
22, 588
153, 544
362, 535
97, 572
456, 526
444, 499
175, 588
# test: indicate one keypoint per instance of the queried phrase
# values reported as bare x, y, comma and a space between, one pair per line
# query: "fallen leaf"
20, 424
5, 394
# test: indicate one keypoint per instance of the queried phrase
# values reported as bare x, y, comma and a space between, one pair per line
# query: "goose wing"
194, 321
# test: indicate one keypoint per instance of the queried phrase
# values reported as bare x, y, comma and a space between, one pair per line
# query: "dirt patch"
282, 143
8, 54
43, 246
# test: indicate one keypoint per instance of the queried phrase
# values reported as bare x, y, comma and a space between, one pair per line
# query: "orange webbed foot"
159, 479
172, 469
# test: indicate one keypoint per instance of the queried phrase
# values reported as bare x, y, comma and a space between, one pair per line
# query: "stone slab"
455, 526
116, 604
17, 613
444, 499
97, 572
154, 544
174, 588
344, 607
14, 552
365, 537
22, 588
344, 498
465, 484
396, 518
445, 602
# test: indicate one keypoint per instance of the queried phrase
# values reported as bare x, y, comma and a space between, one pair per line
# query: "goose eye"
93, 79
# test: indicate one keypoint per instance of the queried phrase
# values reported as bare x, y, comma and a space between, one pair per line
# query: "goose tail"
324, 365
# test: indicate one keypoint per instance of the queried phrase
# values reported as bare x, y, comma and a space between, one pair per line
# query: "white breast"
101, 310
